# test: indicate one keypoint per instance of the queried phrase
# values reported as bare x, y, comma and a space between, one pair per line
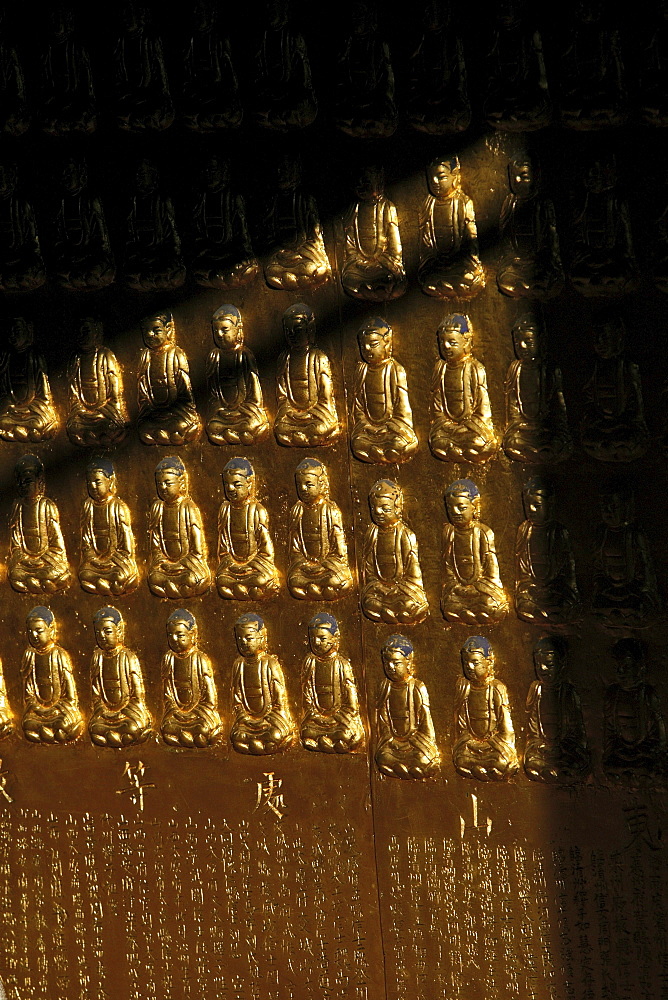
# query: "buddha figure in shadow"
284, 96
438, 100
449, 264
546, 589
21, 262
613, 426
656, 232
406, 741
97, 414
651, 67
37, 561
15, 112
318, 567
364, 105
472, 590
108, 565
556, 748
331, 722
27, 411
152, 252
516, 97
382, 417
51, 705
634, 730
221, 251
262, 719
484, 738
167, 414
236, 408
246, 568
306, 414
210, 88
120, 717
178, 561
80, 253
6, 716
536, 423
294, 246
461, 418
373, 267
141, 94
392, 587
191, 718
67, 98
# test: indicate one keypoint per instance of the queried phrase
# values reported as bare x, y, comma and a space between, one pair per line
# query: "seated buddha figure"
142, 98
15, 111
530, 265
108, 565
392, 588
167, 413
236, 408
383, 419
634, 731
21, 262
37, 561
246, 569
178, 561
546, 590
284, 94
51, 705
222, 255
655, 256
625, 593
517, 97
306, 413
97, 415
449, 264
651, 67
613, 426
318, 557
331, 721
191, 717
262, 720
27, 412
556, 749
364, 99
406, 741
461, 419
484, 738
6, 718
536, 422
152, 253
120, 717
67, 99
438, 95
472, 589
373, 267
210, 88
81, 255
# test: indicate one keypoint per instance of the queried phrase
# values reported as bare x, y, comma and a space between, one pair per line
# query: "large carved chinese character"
406, 742
634, 731
80, 248
51, 705
236, 409
21, 262
67, 99
167, 413
438, 99
141, 89
108, 565
222, 255
97, 415
295, 248
191, 717
27, 412
37, 559
373, 268
152, 252
262, 720
210, 91
365, 104
178, 564
120, 717
331, 722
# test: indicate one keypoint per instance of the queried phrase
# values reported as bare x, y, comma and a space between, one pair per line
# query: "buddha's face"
216, 173
237, 487
538, 506
250, 639
100, 486
146, 176
169, 485
323, 643
203, 16
227, 333
41, 634
73, 176
371, 185
90, 334
156, 333
522, 178
288, 174
601, 176
181, 639
629, 669
527, 343
7, 179
615, 510
609, 340
397, 665
547, 662
19, 334
108, 634
477, 666
296, 327
309, 487
62, 22
442, 180
374, 347
384, 510
29, 483
461, 509
453, 344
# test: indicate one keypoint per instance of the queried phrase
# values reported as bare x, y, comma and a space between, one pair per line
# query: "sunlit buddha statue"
210, 88
67, 97
634, 730
262, 719
97, 414
536, 422
142, 98
438, 97
120, 717
530, 265
6, 717
331, 722
472, 590
625, 593
318, 567
516, 97
364, 94
306, 413
449, 264
15, 110
81, 258
167, 413
392, 588
484, 738
178, 562
51, 705
556, 748
236, 409
152, 253
406, 741
246, 568
461, 418
37, 561
284, 94
191, 717
222, 255
295, 249
21, 261
27, 411
383, 420
546, 589
108, 565
613, 426
373, 267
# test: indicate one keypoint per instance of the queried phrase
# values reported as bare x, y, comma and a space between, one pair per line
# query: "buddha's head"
397, 655
629, 662
478, 660
601, 175
371, 183
528, 338
73, 175
171, 479
386, 502
29, 474
609, 335
444, 177
278, 13
101, 479
90, 334
204, 15
375, 341
8, 178
109, 629
617, 505
147, 177
312, 481
250, 634
323, 635
227, 328
41, 628
62, 21
20, 333
299, 326
523, 176
455, 338
181, 631
549, 659
158, 330
239, 482
538, 499
288, 173
216, 172
462, 503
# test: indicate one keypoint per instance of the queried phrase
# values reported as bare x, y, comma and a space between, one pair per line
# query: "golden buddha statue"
262, 720
67, 98
51, 706
120, 717
318, 557
210, 90
284, 96
151, 256
16, 113
236, 410
27, 412
392, 588
142, 98
81, 258
167, 413
364, 94
222, 254
438, 100
191, 717
634, 729
21, 262
178, 564
516, 92
294, 246
331, 722
108, 565
97, 416
6, 717
37, 558
246, 569
383, 420
406, 742
373, 267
